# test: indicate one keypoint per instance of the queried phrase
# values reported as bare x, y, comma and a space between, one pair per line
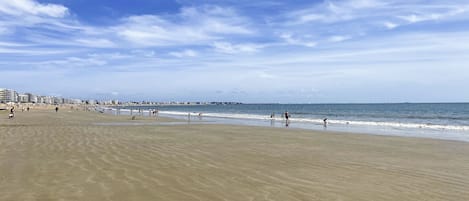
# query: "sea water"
430, 120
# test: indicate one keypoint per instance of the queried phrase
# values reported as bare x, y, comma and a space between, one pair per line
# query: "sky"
262, 51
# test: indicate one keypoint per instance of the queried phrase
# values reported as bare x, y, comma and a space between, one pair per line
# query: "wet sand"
71, 156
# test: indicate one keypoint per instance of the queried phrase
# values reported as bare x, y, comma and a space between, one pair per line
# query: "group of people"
11, 114
286, 115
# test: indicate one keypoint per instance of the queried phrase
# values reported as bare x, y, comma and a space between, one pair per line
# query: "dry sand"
66, 156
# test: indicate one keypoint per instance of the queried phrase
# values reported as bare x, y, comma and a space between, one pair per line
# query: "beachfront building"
40, 99
58, 100
48, 100
23, 98
31, 98
8, 96
11, 96
72, 101
91, 102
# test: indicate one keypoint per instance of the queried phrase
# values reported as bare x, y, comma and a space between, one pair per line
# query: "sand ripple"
66, 156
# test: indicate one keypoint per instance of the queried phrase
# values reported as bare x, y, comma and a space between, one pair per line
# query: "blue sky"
238, 50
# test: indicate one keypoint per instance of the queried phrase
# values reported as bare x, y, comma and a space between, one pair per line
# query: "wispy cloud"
184, 53
226, 47
339, 38
25, 8
194, 25
292, 40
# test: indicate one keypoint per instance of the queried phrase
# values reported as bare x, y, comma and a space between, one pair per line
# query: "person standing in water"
325, 122
287, 122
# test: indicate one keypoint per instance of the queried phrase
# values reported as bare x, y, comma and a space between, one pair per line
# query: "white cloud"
144, 53
339, 38
390, 25
184, 53
226, 47
427, 15
194, 25
414, 18
32, 7
290, 39
333, 11
96, 42
364, 4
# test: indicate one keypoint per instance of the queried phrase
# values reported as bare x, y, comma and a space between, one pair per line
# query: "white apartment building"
7, 95
23, 98
48, 100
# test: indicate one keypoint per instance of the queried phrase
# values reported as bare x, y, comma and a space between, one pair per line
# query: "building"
58, 100
23, 98
3, 95
40, 99
7, 96
31, 98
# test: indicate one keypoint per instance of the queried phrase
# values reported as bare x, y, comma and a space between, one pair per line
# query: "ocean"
430, 120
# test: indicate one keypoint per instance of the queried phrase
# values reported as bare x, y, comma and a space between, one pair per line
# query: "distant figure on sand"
12, 113
56, 109
325, 122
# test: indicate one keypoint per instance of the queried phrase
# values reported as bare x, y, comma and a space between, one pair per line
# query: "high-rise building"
3, 94
7, 95
23, 98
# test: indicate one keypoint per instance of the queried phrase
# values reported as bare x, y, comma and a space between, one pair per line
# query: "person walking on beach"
56, 109
12, 113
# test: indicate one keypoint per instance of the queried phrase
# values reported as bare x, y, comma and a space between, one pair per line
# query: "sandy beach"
77, 155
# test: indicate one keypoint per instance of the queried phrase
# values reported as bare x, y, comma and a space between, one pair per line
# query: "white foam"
330, 121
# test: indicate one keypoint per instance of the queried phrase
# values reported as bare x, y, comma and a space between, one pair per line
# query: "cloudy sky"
238, 50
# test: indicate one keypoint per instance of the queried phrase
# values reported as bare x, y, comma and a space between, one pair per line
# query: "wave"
330, 121
389, 124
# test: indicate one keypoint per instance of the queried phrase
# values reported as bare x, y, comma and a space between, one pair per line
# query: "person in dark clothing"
56, 109
12, 113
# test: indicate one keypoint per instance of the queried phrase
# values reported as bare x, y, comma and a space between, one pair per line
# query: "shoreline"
444, 132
